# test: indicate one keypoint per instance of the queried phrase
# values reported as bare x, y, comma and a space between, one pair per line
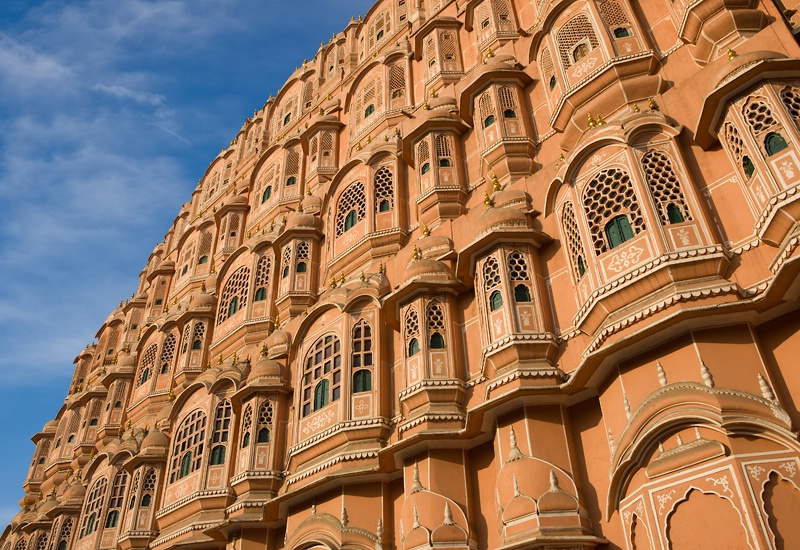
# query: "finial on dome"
434, 95
277, 322
425, 231
363, 277
495, 182
426, 107
600, 120
219, 360
448, 515
171, 395
514, 453
635, 108
487, 200
652, 104
416, 253
766, 390
333, 282
590, 121
731, 54
358, 146
203, 287
416, 484
300, 207
397, 131
708, 379
662, 376
553, 481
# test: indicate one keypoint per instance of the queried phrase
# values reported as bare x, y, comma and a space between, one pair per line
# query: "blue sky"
110, 111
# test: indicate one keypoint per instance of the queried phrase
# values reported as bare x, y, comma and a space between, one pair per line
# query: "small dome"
732, 67
155, 442
204, 301
501, 218
237, 201
311, 204
428, 270
278, 343
301, 220
262, 369
76, 491
125, 360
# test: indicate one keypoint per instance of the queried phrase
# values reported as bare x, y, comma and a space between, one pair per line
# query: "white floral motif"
181, 490
627, 516
625, 258
755, 471
663, 499
597, 159
585, 67
414, 373
787, 168
683, 235
790, 467
361, 406
349, 238
498, 327
526, 318
437, 366
214, 478
318, 422
759, 193
261, 458
722, 481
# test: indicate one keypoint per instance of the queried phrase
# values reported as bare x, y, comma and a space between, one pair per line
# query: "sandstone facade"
483, 274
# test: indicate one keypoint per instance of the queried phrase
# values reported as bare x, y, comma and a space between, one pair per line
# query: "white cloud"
148, 98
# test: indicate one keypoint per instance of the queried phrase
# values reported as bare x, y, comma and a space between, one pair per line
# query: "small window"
622, 32
444, 163
246, 440
413, 347
263, 435
197, 344
362, 381
674, 213
118, 404
261, 294
202, 260
58, 443
165, 368
186, 467
218, 455
774, 143
552, 82
93, 422
425, 168
369, 110
185, 269
580, 51
302, 267
287, 118
159, 302
522, 293
488, 121
437, 341
148, 499
379, 35
285, 272
234, 306
41, 461
484, 23
495, 302
350, 220
71, 438
618, 231
748, 166
509, 113
321, 395
62, 545
291, 181
581, 266
266, 194
112, 519
384, 206
90, 523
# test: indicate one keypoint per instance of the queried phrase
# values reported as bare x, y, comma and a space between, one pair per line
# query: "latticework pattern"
411, 323
435, 316
148, 360
759, 116
235, 289
197, 336
94, 504
548, 69
734, 141
149, 482
118, 490
448, 46
664, 185
168, 352
222, 422
517, 266
491, 273
353, 199
613, 14
189, 438
263, 271
292, 166
572, 234
384, 188
397, 80
247, 424
610, 194
790, 95
265, 413
576, 30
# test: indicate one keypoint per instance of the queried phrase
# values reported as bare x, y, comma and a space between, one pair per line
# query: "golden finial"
600, 120
341, 278
489, 54
264, 350
120, 303
321, 111
358, 146
434, 95
283, 219
128, 425
382, 269
636, 108
272, 224
652, 104
416, 253
363, 277
249, 234
166, 308
235, 359
425, 231
300, 207
308, 191
203, 287
120, 432
305, 312
219, 359
171, 395
208, 364
731, 54
487, 200
426, 107
329, 97
397, 131
495, 183
92, 454
213, 268
333, 282
369, 139
78, 475
592, 122
277, 322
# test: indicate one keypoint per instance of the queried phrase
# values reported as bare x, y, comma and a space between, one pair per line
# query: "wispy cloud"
147, 98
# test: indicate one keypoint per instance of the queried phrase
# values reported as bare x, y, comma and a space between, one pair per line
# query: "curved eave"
411, 289
441, 22
715, 102
466, 256
499, 71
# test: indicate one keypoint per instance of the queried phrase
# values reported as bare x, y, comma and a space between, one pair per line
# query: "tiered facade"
484, 274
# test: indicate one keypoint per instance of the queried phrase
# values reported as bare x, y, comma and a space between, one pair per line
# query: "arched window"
774, 143
292, 180
552, 82
491, 273
437, 340
301, 267
94, 505
362, 381
522, 293
351, 208
444, 163
222, 426
618, 230
509, 113
149, 487
488, 121
115, 502
495, 303
266, 194
247, 425
580, 51
187, 452
234, 294
425, 168
413, 347
261, 294
384, 189
607, 194
411, 326
322, 376
202, 260
197, 336
576, 39
674, 213
148, 362
622, 32
748, 166
369, 110
665, 188
168, 353
265, 413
